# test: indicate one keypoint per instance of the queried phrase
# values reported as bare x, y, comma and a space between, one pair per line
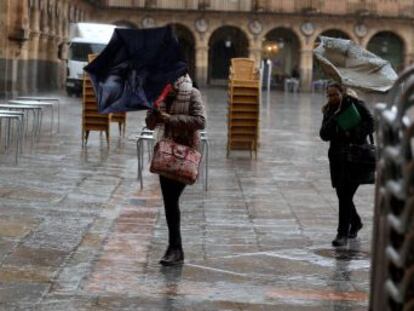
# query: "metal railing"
392, 275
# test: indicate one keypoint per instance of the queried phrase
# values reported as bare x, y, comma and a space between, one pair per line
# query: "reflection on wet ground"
343, 254
77, 233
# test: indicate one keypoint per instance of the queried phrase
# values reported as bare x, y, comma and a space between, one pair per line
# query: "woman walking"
345, 178
179, 118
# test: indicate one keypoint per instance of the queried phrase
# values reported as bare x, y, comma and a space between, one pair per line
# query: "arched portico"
317, 73
187, 43
202, 32
225, 43
282, 46
126, 24
336, 33
389, 46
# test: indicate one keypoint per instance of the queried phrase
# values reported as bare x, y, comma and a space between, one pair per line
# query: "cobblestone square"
77, 233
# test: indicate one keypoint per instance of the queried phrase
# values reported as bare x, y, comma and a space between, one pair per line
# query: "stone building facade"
34, 33
211, 32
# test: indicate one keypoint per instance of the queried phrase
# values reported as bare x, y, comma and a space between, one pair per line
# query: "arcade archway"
282, 47
317, 73
225, 43
125, 24
187, 43
389, 46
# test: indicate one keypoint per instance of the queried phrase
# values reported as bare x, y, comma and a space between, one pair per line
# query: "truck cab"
85, 39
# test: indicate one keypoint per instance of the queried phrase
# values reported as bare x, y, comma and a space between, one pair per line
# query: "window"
80, 51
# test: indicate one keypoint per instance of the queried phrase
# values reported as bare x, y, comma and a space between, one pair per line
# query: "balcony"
96, 2
308, 6
213, 5
231, 5
406, 11
385, 8
362, 7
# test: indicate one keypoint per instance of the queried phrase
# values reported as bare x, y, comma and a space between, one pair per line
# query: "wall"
33, 31
403, 28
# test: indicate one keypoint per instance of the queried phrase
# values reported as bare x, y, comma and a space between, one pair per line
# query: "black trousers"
171, 192
348, 215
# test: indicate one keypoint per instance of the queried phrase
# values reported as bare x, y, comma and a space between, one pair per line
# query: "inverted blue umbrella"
135, 67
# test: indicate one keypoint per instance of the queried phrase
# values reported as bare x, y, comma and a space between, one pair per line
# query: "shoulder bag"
175, 161
362, 161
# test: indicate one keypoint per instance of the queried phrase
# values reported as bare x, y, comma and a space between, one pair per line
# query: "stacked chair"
92, 119
120, 118
243, 106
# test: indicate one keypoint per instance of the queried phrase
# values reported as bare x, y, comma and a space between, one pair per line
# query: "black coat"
341, 172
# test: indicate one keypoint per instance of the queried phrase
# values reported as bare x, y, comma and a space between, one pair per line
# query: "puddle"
137, 202
343, 254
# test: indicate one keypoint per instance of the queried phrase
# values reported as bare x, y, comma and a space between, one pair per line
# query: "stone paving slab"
77, 233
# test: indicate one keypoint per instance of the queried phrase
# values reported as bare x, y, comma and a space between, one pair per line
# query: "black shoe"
353, 232
172, 257
339, 241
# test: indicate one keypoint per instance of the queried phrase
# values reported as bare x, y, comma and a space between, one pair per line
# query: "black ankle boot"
173, 256
353, 232
340, 240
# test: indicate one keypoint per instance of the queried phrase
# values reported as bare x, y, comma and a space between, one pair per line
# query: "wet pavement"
77, 233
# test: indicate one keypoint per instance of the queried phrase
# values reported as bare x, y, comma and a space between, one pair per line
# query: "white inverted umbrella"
350, 64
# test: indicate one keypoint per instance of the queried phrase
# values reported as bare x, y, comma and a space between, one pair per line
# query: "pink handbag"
175, 161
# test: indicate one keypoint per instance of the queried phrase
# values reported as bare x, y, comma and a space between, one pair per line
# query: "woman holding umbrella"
342, 134
180, 117
128, 75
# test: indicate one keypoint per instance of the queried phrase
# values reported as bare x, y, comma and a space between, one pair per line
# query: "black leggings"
171, 191
348, 215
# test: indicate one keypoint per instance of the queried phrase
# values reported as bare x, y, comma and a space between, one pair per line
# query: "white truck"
85, 39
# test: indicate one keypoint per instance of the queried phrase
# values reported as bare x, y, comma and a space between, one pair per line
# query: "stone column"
201, 63
60, 41
52, 51
33, 56
65, 47
255, 51
63, 31
3, 48
22, 79
18, 33
306, 68
42, 76
408, 59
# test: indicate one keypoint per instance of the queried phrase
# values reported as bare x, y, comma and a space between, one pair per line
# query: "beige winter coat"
185, 121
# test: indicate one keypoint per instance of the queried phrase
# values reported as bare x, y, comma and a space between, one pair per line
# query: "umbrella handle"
167, 89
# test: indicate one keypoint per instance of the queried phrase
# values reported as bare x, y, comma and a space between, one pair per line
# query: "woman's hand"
338, 108
333, 105
164, 117
329, 106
